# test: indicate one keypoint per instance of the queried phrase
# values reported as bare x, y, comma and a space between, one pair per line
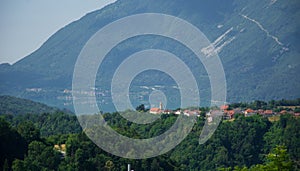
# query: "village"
229, 112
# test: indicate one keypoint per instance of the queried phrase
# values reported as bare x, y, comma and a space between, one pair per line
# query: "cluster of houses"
160, 110
227, 113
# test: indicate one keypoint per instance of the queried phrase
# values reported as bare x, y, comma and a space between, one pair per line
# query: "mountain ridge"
18, 106
259, 50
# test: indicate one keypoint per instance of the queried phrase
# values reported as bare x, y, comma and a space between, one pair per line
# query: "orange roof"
155, 109
283, 112
224, 107
268, 112
249, 110
231, 112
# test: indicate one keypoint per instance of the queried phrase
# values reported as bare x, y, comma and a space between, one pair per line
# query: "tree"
42, 156
279, 159
28, 131
154, 165
12, 145
109, 165
18, 165
5, 165
79, 159
72, 144
140, 108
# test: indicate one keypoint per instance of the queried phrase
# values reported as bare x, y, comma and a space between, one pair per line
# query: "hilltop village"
230, 110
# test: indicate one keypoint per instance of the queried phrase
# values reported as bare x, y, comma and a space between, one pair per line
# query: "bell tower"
160, 106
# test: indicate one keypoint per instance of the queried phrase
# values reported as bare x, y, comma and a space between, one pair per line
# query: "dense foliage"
48, 124
278, 104
27, 143
14, 105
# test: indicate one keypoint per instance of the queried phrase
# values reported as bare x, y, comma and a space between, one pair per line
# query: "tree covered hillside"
56, 142
14, 105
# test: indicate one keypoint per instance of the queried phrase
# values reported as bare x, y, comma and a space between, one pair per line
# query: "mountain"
257, 42
17, 106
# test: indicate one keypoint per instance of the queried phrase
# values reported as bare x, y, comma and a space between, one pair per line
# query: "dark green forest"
248, 143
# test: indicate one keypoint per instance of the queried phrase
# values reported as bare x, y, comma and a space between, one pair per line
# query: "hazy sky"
26, 24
